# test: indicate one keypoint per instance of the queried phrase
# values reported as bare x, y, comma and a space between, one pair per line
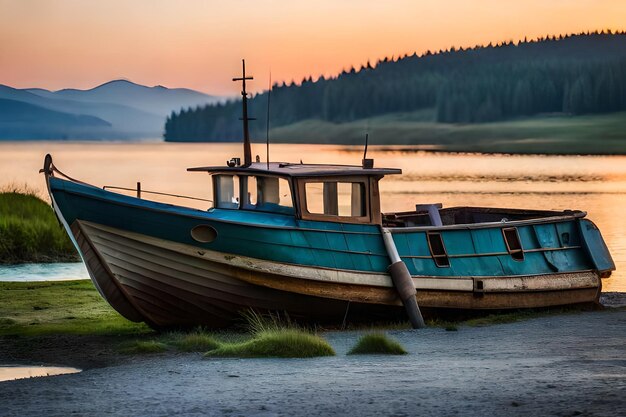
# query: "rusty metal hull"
168, 284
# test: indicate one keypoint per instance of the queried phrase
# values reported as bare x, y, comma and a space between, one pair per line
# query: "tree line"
574, 74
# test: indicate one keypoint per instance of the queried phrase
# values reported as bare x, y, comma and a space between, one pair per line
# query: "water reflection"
9, 373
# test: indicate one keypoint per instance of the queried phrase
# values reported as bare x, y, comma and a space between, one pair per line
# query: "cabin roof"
299, 170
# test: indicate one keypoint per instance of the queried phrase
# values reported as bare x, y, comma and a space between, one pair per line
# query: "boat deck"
453, 216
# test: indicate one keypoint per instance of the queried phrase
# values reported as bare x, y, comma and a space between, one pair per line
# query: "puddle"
9, 373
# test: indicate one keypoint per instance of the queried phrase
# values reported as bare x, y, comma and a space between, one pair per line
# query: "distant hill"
20, 120
158, 100
561, 75
130, 110
126, 121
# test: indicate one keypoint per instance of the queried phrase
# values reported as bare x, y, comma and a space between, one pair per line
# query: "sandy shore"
567, 365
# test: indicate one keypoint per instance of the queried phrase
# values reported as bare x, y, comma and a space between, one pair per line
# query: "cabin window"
333, 198
437, 249
251, 192
264, 193
513, 243
226, 191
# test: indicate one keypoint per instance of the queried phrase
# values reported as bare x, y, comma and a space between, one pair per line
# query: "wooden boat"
311, 241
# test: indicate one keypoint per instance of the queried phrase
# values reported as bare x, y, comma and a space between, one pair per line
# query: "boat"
310, 241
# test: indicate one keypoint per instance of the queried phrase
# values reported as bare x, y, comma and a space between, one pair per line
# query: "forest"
566, 75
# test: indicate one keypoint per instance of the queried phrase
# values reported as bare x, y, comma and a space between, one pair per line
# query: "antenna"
367, 163
267, 132
247, 153
365, 151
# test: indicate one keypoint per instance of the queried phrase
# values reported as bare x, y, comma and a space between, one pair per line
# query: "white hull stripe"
586, 279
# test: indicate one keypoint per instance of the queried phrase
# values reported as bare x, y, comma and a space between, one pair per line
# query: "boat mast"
247, 153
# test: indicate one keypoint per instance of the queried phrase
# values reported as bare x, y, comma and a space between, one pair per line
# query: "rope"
54, 169
156, 192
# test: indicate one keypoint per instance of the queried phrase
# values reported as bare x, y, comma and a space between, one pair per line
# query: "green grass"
256, 323
196, 341
29, 230
520, 315
281, 343
62, 307
377, 343
136, 347
560, 134
273, 336
75, 307
483, 319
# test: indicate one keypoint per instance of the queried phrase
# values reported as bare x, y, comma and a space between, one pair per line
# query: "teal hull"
145, 260
282, 238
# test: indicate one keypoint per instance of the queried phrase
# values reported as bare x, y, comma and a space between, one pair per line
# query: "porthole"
204, 233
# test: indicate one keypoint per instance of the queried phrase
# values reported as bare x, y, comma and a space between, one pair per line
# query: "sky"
199, 44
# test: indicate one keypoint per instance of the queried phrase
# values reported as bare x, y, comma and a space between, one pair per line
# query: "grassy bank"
561, 134
30, 232
75, 307
63, 307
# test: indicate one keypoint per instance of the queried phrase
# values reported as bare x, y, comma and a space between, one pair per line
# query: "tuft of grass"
197, 341
143, 346
273, 336
71, 307
29, 230
277, 343
377, 343
519, 315
257, 323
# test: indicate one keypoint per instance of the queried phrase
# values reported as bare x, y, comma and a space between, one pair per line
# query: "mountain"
126, 122
131, 110
158, 100
21, 120
560, 75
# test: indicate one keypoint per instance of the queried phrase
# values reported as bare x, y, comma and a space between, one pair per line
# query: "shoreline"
518, 147
569, 364
88, 341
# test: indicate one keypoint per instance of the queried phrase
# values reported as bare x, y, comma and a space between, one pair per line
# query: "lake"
596, 184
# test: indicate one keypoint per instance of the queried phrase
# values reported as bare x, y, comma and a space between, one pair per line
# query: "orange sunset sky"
199, 44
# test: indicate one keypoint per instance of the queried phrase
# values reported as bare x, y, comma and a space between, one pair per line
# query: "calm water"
44, 272
11, 372
596, 184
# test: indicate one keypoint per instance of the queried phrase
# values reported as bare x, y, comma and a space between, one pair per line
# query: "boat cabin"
341, 194
334, 193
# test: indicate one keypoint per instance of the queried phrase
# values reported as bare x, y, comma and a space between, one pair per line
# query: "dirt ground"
565, 365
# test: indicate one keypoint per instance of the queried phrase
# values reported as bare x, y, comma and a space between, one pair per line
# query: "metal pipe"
390, 246
402, 281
